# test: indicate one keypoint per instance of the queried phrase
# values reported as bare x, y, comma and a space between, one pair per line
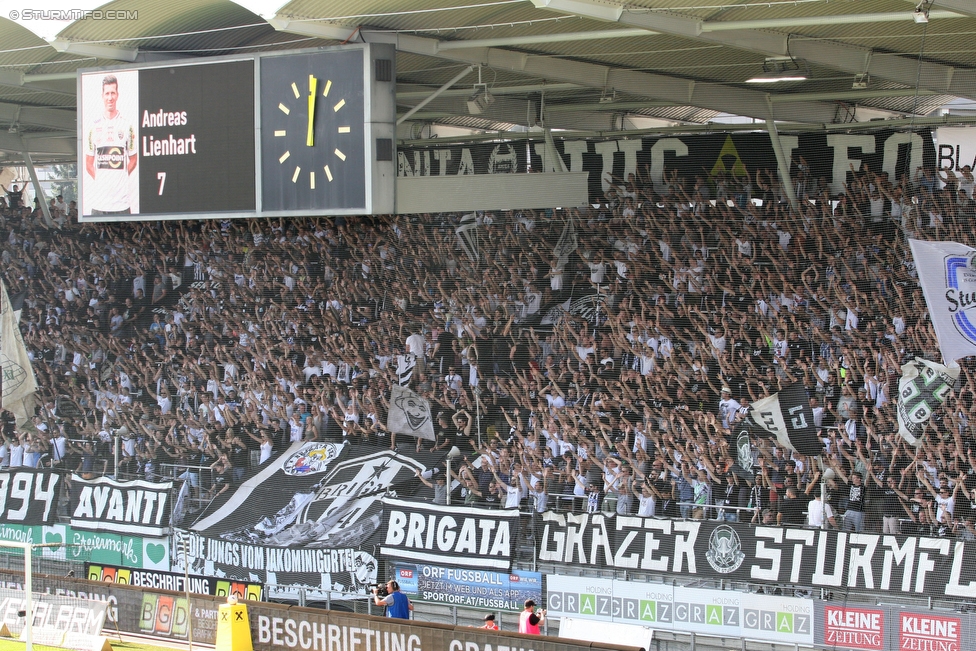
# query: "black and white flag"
409, 414
568, 241
315, 495
405, 364
923, 387
18, 381
467, 233
787, 416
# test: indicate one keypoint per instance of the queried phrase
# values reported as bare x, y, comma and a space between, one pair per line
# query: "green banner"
92, 546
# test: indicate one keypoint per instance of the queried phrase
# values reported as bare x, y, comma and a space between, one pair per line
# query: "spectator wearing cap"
531, 619
490, 623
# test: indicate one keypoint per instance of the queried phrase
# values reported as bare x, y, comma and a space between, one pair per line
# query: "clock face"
312, 121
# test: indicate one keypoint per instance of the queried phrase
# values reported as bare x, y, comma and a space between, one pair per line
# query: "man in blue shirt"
397, 604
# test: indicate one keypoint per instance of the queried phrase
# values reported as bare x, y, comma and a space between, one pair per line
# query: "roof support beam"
800, 21
581, 120
592, 116
682, 92
958, 6
62, 148
427, 100
938, 77
95, 50
325, 30
542, 38
37, 117
17, 79
405, 95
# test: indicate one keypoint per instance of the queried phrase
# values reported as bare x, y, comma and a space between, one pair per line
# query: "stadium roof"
580, 65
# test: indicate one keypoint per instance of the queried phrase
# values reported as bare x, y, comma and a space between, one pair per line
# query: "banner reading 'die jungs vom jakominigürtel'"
305, 523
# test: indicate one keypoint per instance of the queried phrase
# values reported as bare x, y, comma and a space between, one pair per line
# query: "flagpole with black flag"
787, 415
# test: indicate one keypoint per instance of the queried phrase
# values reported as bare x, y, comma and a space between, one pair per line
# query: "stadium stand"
609, 378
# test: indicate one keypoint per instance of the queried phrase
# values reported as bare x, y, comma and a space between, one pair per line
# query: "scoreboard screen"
282, 134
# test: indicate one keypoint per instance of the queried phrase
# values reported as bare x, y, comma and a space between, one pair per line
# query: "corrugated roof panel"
431, 16
184, 19
208, 27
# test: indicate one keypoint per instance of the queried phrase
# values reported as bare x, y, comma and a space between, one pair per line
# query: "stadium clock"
312, 131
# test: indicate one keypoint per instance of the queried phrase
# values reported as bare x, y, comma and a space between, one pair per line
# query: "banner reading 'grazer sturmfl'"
906, 565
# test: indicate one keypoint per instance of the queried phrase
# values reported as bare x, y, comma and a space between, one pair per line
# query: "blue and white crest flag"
947, 274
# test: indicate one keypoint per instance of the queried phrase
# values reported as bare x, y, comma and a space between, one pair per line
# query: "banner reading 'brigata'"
458, 535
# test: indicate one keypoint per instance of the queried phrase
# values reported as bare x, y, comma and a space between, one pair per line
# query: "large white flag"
947, 273
923, 387
409, 414
19, 383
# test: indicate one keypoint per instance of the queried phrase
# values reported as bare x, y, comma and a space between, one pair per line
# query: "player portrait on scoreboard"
110, 180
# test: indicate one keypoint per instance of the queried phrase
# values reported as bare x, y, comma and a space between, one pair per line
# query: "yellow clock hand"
310, 136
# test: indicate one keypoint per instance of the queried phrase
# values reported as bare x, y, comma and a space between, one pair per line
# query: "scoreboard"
307, 132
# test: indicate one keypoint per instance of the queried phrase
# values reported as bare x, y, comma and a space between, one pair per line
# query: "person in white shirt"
16, 453
818, 512
727, 406
417, 345
513, 490
266, 445
453, 380
646, 500
59, 445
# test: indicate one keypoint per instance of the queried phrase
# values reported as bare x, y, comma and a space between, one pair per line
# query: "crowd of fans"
215, 344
